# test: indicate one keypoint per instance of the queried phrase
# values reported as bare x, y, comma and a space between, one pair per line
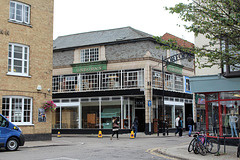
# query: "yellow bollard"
100, 134
59, 135
132, 135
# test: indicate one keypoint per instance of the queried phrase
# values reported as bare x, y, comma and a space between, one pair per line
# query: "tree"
219, 22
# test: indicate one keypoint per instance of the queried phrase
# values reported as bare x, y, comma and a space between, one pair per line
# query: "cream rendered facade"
134, 64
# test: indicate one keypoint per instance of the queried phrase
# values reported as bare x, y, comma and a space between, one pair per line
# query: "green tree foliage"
219, 22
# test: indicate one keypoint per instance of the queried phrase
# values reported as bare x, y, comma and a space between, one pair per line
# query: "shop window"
230, 95
90, 116
168, 82
111, 80
178, 83
213, 119
212, 96
168, 116
230, 118
107, 114
56, 119
157, 79
17, 109
89, 82
69, 117
133, 79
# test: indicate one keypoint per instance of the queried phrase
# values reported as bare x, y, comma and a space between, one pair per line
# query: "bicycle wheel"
199, 148
212, 146
191, 145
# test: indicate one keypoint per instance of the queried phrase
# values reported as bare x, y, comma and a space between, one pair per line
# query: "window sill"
21, 23
18, 75
22, 124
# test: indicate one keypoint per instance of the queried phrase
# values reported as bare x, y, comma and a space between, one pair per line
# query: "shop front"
92, 113
222, 116
220, 97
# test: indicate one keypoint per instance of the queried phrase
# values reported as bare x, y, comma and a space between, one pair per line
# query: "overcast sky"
77, 16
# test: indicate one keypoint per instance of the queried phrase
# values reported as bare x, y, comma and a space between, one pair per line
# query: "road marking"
62, 158
153, 152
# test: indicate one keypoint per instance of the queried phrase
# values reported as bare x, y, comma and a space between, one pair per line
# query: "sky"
78, 16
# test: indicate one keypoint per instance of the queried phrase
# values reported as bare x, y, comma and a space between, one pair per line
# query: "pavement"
180, 151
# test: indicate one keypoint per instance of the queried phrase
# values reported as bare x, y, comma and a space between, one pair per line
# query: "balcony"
99, 81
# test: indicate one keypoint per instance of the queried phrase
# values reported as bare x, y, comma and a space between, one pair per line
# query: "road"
93, 148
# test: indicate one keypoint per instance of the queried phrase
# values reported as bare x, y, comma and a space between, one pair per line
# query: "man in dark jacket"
190, 123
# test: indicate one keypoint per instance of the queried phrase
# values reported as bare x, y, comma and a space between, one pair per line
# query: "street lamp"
165, 62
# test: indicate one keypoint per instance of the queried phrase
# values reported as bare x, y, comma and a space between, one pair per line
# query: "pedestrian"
177, 124
115, 127
135, 126
180, 126
190, 123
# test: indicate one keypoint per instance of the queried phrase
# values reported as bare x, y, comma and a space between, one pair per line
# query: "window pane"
26, 17
19, 12
10, 51
16, 110
12, 10
17, 69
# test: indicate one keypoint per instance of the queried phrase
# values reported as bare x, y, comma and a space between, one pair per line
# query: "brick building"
116, 73
26, 29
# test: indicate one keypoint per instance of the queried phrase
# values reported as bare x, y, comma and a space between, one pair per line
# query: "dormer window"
89, 55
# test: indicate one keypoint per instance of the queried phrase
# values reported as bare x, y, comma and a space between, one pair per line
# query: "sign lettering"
92, 67
4, 32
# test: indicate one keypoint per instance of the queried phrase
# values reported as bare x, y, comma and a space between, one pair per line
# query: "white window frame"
89, 55
24, 60
22, 111
24, 12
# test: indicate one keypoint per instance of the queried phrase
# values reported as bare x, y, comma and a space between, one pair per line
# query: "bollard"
132, 135
59, 135
100, 134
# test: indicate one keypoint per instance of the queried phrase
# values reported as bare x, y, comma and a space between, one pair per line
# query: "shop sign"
4, 32
89, 67
41, 115
174, 69
201, 101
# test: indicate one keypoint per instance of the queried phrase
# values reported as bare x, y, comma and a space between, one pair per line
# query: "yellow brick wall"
39, 38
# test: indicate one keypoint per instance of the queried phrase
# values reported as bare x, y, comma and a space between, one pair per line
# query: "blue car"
11, 136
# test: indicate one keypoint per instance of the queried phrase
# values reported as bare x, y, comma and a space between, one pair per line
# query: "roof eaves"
107, 43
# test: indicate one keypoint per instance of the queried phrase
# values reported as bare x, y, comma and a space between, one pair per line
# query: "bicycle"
200, 144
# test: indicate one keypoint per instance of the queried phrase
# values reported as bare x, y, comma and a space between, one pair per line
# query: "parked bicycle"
200, 144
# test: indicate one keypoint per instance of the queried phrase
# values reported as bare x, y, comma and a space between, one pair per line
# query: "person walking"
115, 127
180, 126
135, 127
190, 123
177, 124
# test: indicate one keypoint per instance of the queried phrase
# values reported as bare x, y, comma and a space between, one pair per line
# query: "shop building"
26, 29
217, 98
116, 73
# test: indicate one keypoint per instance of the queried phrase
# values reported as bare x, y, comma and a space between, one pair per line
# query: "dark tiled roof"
98, 37
181, 42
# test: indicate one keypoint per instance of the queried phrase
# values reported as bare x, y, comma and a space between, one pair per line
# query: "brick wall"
39, 37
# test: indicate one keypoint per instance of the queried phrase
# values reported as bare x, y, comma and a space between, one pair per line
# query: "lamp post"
165, 62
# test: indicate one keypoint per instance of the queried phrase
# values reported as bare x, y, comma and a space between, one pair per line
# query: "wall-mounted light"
39, 88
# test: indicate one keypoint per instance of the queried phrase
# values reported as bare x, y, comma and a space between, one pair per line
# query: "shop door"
140, 113
188, 111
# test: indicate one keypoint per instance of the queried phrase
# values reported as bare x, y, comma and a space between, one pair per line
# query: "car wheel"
12, 144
